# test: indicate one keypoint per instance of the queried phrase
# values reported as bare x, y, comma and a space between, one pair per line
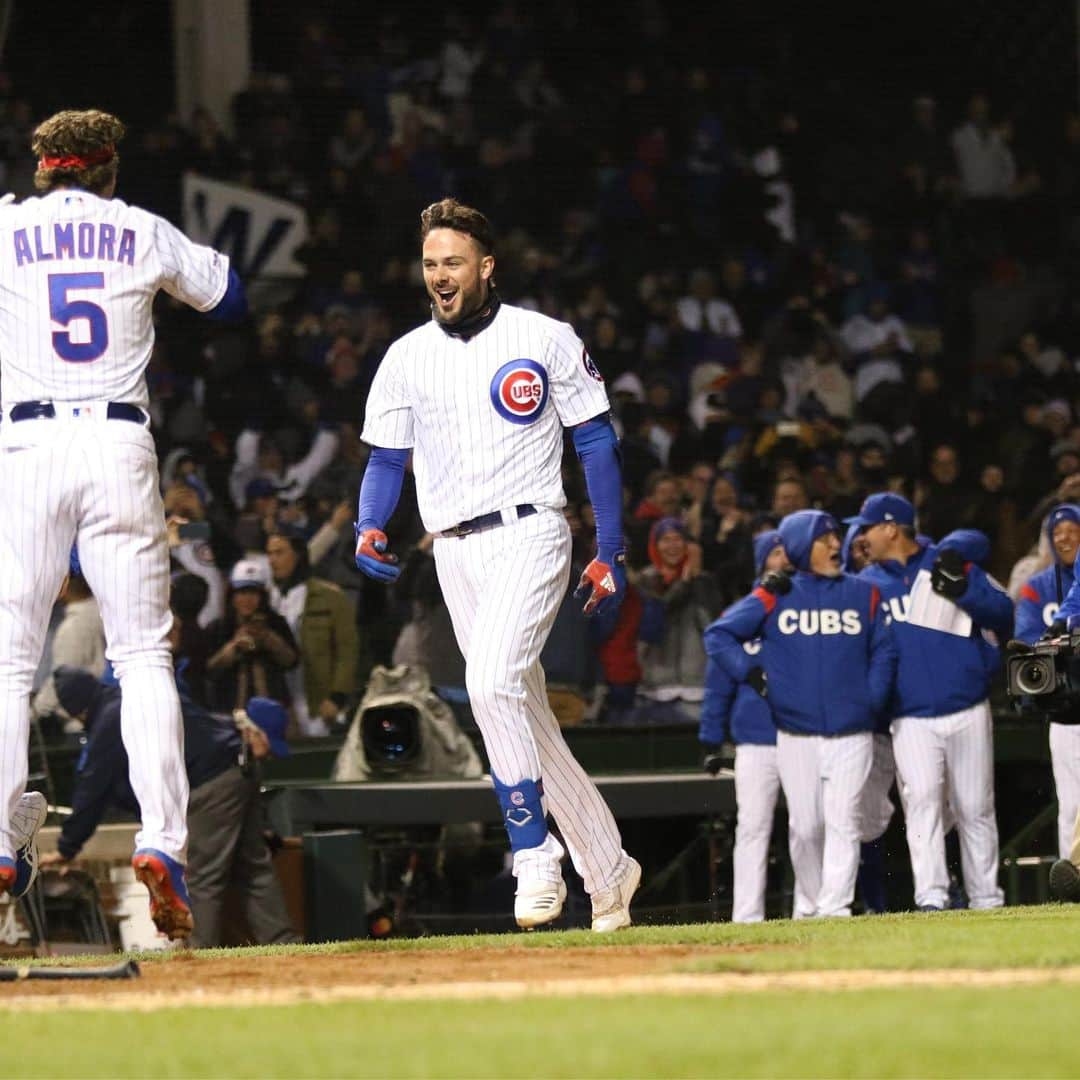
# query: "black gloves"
757, 681
776, 583
947, 578
714, 759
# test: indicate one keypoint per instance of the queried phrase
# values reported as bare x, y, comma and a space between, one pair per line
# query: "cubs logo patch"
590, 368
517, 798
519, 391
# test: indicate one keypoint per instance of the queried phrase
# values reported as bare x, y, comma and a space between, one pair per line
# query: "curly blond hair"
78, 133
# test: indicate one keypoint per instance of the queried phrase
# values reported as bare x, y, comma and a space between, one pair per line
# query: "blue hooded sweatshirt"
1037, 606
734, 711
825, 647
939, 673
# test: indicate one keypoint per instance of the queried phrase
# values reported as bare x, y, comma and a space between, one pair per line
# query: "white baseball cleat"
538, 902
611, 907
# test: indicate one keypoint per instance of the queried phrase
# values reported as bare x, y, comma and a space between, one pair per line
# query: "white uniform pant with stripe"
876, 807
94, 481
939, 757
757, 786
1065, 758
823, 779
503, 587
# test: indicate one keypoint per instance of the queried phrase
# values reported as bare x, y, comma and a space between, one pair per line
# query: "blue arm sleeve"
381, 487
233, 306
598, 450
883, 659
716, 706
988, 605
724, 637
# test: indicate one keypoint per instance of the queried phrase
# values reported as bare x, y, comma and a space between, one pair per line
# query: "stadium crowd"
774, 335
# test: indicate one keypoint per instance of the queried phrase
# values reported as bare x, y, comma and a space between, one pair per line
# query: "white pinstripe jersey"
484, 417
78, 275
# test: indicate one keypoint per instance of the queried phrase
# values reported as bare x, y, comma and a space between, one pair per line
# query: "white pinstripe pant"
95, 481
1065, 758
950, 757
823, 779
757, 787
503, 587
875, 807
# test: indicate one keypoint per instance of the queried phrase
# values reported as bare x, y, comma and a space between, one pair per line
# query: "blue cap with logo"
881, 507
270, 715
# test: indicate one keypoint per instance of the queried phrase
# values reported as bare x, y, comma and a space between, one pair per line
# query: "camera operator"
941, 723
226, 843
1037, 615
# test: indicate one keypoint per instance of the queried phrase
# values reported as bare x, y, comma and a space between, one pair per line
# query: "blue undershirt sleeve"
597, 448
233, 305
381, 487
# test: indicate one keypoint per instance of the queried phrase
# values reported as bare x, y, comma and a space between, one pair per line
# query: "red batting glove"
372, 558
601, 582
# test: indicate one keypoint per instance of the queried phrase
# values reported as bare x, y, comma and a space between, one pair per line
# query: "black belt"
486, 521
45, 410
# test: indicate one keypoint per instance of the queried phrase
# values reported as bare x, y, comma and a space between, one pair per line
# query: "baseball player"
736, 711
826, 666
78, 273
939, 602
1036, 615
876, 806
481, 395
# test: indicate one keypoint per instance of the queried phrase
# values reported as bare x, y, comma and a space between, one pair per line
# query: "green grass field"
966, 1031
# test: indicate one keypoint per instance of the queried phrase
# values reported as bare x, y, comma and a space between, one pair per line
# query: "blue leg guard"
523, 812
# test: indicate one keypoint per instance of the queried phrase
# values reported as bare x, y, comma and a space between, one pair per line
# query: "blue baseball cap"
881, 507
270, 715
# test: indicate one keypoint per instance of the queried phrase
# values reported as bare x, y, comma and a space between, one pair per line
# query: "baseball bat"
129, 969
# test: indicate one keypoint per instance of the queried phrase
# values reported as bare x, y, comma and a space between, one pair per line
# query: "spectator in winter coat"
673, 665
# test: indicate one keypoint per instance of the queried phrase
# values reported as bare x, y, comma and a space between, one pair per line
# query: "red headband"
79, 161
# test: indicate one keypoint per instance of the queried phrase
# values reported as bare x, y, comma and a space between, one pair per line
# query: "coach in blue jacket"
826, 665
737, 713
1037, 610
941, 724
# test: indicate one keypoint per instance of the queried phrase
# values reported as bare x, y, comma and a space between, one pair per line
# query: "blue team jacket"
825, 647
734, 711
939, 673
1070, 609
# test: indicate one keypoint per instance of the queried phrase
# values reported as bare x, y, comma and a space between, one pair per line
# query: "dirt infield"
191, 980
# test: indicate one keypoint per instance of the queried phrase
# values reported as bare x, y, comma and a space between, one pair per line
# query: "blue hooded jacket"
826, 650
939, 673
1037, 606
734, 711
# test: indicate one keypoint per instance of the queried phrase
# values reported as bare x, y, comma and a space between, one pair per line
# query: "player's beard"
473, 299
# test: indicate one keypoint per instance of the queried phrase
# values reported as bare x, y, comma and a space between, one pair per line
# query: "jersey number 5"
62, 310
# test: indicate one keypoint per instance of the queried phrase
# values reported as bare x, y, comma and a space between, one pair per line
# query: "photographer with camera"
736, 712
226, 844
1038, 617
939, 604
